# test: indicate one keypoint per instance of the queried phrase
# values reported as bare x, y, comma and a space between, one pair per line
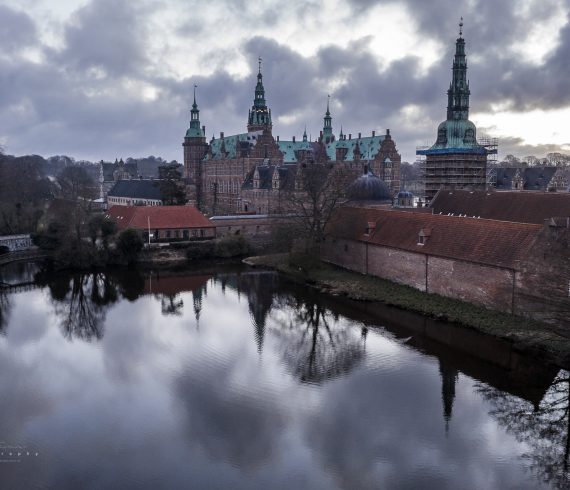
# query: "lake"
236, 379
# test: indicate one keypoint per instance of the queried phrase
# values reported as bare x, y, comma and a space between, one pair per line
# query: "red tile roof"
160, 217
475, 240
517, 206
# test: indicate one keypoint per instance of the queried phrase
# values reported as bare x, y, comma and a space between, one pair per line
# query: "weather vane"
461, 27
259, 60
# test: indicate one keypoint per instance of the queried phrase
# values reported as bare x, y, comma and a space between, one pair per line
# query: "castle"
252, 172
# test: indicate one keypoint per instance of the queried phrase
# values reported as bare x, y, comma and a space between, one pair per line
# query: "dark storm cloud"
106, 34
74, 102
17, 30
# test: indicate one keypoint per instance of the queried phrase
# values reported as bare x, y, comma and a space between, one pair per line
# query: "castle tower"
456, 160
259, 115
328, 135
195, 148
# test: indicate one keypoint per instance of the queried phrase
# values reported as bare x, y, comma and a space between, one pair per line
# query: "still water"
239, 380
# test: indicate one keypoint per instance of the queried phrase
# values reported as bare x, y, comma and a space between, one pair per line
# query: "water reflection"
544, 428
315, 346
277, 388
5, 307
81, 302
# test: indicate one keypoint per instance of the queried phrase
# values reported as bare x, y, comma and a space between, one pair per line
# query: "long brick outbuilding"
519, 268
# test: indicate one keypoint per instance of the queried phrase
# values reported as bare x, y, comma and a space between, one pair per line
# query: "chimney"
221, 134
349, 136
293, 139
204, 130
387, 132
359, 135
277, 137
321, 133
373, 133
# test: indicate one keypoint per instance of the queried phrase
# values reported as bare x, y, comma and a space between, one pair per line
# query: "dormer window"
423, 236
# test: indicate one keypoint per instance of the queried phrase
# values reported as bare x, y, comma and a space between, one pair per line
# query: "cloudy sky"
100, 79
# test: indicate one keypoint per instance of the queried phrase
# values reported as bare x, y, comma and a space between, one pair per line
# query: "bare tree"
318, 191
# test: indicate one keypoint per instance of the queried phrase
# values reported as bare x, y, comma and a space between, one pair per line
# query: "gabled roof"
369, 147
158, 217
232, 144
109, 168
137, 189
494, 243
288, 148
516, 206
534, 178
268, 172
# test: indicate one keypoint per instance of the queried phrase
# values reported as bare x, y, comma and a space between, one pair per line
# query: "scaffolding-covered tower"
457, 159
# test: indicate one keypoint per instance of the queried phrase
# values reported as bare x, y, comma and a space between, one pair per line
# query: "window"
177, 233
201, 232
421, 240
167, 233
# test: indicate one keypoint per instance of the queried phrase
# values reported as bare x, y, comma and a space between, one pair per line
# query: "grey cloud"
106, 34
17, 30
59, 107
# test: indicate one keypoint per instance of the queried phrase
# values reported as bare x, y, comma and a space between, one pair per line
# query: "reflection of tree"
83, 308
171, 304
545, 429
316, 346
5, 308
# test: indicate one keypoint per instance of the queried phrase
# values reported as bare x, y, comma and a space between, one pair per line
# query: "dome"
368, 187
456, 133
404, 194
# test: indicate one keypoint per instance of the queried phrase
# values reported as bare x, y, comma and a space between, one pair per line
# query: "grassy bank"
527, 336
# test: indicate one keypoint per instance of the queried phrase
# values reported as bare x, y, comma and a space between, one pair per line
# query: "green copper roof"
231, 144
194, 131
369, 147
288, 148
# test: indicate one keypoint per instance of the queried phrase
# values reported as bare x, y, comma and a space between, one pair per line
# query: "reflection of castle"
250, 172
259, 289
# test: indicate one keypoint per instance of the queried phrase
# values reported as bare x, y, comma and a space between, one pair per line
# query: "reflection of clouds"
388, 432
159, 403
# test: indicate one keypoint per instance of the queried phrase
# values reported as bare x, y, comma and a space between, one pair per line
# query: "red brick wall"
491, 287
398, 266
345, 253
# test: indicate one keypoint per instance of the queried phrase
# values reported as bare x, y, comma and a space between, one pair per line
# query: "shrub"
129, 245
231, 246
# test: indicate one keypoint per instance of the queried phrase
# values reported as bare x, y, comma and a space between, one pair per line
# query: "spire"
305, 134
327, 127
259, 116
458, 93
195, 131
